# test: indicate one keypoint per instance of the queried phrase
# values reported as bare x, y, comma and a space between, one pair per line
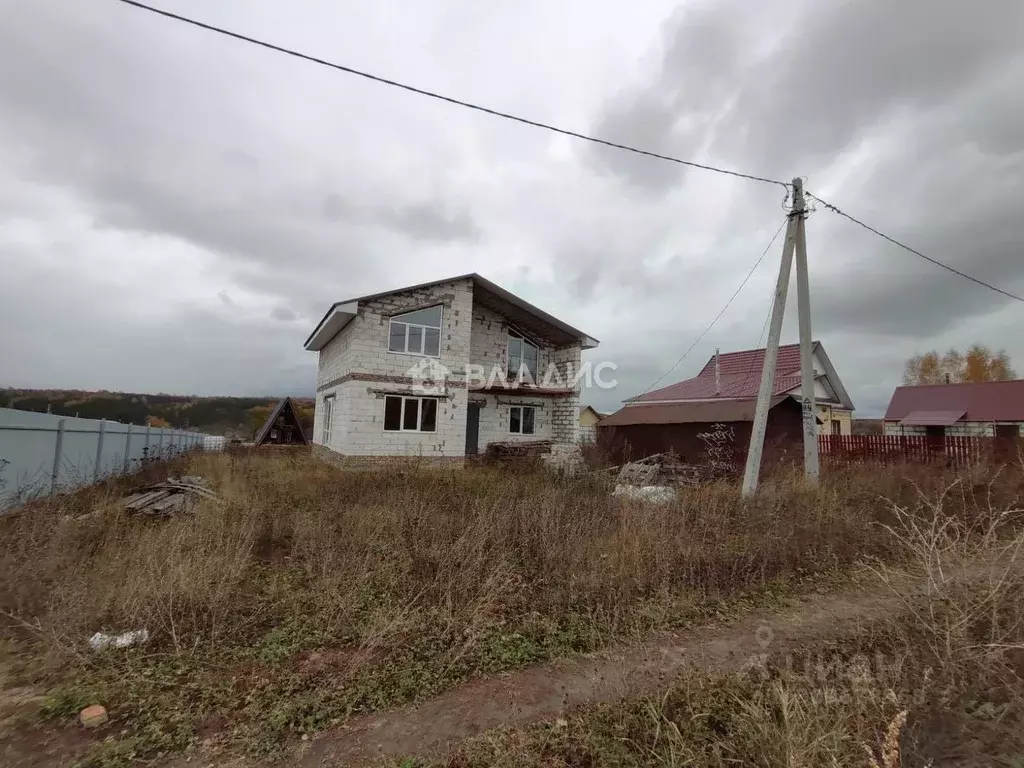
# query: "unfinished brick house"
443, 369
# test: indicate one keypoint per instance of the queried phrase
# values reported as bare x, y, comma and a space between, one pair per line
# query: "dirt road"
546, 691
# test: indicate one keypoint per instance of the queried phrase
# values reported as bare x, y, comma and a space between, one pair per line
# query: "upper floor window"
522, 356
418, 333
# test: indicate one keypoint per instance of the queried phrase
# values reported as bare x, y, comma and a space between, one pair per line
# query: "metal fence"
43, 453
922, 449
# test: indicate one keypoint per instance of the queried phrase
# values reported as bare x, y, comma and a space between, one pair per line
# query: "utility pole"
808, 405
795, 241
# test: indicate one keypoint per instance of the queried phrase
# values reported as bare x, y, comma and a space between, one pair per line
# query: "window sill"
415, 354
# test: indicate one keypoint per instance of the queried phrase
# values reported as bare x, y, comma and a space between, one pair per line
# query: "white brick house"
425, 371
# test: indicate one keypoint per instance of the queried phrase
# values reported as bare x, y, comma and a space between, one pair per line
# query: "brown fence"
900, 448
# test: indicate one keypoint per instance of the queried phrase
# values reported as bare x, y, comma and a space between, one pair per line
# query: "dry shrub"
357, 549
937, 683
310, 592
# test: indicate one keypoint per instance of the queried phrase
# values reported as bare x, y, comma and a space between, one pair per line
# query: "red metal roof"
742, 362
931, 418
706, 412
980, 401
740, 376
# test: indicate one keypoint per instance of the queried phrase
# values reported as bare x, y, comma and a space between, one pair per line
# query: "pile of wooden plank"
174, 496
505, 451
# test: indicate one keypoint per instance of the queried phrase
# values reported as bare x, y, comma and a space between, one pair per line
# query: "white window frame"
423, 333
328, 425
523, 341
401, 414
522, 409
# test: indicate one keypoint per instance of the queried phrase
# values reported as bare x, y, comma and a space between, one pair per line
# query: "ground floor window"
410, 414
837, 428
325, 431
521, 419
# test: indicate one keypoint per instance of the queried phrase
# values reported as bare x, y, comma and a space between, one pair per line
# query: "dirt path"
546, 691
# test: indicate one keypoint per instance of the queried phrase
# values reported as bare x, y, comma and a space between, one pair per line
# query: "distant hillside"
232, 416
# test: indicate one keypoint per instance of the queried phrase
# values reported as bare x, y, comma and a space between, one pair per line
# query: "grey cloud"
849, 66
152, 149
283, 314
926, 91
430, 221
127, 139
704, 54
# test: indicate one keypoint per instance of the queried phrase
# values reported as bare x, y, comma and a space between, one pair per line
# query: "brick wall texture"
962, 429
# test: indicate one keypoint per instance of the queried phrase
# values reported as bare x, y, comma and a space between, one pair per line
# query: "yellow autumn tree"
979, 363
157, 421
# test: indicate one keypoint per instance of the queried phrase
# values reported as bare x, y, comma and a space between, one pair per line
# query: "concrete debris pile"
172, 497
662, 469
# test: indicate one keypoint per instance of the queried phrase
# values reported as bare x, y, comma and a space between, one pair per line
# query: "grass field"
311, 594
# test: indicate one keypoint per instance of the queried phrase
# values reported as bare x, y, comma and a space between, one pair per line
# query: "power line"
719, 315
760, 340
441, 97
894, 241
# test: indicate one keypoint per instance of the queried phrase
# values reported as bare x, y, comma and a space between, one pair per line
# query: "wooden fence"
928, 450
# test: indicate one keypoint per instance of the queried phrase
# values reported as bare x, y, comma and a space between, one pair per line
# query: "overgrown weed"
313, 593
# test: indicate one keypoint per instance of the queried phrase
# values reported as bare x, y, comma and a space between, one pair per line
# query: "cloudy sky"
178, 209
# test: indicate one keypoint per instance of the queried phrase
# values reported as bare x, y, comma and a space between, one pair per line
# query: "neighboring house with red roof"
725, 392
739, 378
986, 409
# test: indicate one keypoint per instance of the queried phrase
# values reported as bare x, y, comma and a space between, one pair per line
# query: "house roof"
283, 405
496, 298
593, 410
740, 377
977, 401
932, 418
698, 412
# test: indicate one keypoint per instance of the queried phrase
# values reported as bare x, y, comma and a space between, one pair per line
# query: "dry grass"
312, 593
940, 684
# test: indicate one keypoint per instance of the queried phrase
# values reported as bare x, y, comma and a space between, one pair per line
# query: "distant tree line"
235, 416
979, 363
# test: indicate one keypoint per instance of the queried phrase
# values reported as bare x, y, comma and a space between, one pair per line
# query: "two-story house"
441, 370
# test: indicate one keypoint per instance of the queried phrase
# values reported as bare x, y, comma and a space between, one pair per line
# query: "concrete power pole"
808, 404
795, 241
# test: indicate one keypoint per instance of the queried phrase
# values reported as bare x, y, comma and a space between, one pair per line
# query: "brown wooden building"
641, 430
282, 426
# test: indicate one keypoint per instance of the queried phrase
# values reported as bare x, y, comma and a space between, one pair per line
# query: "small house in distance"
589, 418
979, 409
681, 417
282, 426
